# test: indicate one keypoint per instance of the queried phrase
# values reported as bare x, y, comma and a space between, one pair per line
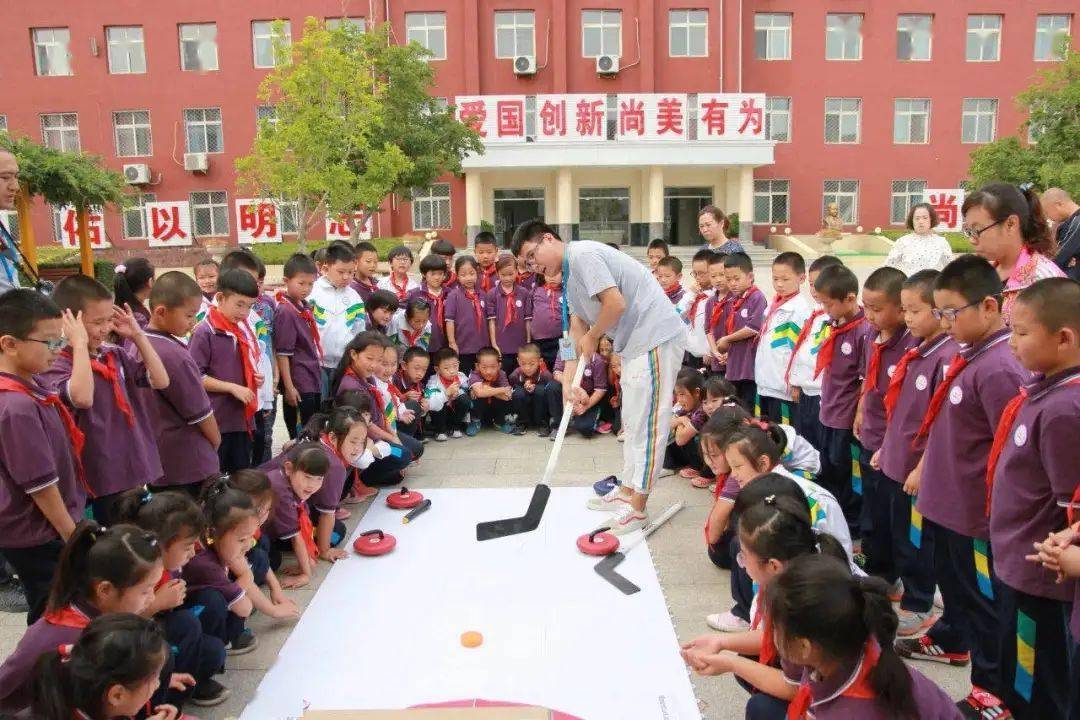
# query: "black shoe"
209, 692
517, 430
243, 644
13, 598
543, 432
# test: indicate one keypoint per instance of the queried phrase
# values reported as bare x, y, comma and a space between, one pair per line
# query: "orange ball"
472, 639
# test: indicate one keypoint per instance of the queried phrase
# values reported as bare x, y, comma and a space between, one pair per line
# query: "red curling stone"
374, 542
404, 500
598, 542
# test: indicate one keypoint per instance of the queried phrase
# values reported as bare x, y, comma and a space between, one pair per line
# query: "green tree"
66, 178
354, 123
1053, 104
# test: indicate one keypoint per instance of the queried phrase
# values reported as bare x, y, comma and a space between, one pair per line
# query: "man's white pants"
648, 384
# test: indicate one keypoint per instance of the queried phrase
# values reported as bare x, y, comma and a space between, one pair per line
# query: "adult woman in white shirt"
922, 248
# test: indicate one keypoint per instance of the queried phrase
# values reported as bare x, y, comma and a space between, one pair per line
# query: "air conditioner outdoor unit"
137, 174
607, 65
196, 162
525, 65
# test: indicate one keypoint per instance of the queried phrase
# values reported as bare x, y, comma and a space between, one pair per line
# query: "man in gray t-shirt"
610, 293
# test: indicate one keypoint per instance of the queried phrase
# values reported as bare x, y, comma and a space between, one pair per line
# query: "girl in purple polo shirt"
100, 572
834, 633
132, 283
683, 450
432, 289
466, 328
509, 312
290, 528
594, 381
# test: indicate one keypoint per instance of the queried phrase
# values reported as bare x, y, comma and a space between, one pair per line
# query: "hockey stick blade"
606, 569
515, 526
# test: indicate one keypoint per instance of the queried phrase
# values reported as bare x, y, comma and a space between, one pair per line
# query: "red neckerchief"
828, 348
692, 313
447, 384
718, 310
729, 326
307, 530
524, 277
873, 367
436, 304
672, 291
402, 290
553, 288
403, 385
69, 616
108, 372
614, 384
411, 337
860, 688
768, 647
75, 435
220, 322
541, 368
166, 576
778, 302
803, 334
369, 286
451, 279
473, 298
958, 363
394, 391
896, 382
487, 277
376, 396
304, 311
510, 311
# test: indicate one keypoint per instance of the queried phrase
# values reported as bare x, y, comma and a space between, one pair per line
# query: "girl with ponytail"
131, 287
343, 434
834, 633
298, 478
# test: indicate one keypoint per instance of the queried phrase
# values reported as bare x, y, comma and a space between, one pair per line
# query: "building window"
979, 120
688, 33
132, 131
905, 193
127, 53
198, 47
842, 120
913, 37
431, 207
772, 36
289, 216
3, 123
911, 120
983, 38
358, 23
604, 214
601, 33
135, 217
202, 126
60, 131
428, 29
210, 214
267, 113
263, 39
771, 201
843, 36
845, 193
1049, 29
52, 52
778, 119
515, 33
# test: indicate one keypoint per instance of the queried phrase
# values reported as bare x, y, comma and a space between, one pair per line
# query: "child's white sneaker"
441, 437
727, 622
457, 434
627, 520
614, 501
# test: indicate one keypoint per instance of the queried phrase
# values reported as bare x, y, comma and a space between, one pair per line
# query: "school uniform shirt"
121, 449
468, 316
487, 278
206, 571
326, 499
339, 315
362, 288
36, 453
527, 280
716, 310
510, 311
784, 320
295, 338
403, 336
546, 303
217, 355
692, 310
842, 380
260, 334
595, 376
1034, 481
923, 373
500, 381
872, 432
186, 455
745, 312
398, 287
799, 455
388, 403
518, 378
435, 392
284, 522
674, 293
953, 489
438, 315
803, 362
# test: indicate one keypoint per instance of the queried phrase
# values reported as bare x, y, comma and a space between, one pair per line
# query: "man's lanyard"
565, 286
9, 262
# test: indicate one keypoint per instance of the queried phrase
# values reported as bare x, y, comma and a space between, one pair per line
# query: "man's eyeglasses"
53, 345
950, 314
972, 234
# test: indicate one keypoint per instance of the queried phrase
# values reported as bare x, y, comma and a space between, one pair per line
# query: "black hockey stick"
515, 526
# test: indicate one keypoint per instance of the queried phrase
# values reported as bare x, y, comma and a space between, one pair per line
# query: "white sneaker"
628, 520
939, 602
664, 472
457, 434
441, 437
614, 501
913, 623
727, 622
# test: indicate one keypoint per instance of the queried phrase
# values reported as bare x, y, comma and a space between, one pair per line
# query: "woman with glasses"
922, 248
1006, 225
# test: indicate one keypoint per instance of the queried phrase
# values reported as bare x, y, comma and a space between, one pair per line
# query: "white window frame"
196, 38
126, 49
977, 113
770, 113
136, 213
840, 26
517, 22
427, 199
843, 189
210, 206
1054, 33
263, 36
267, 112
768, 24
689, 21
930, 33
979, 31
191, 123
53, 45
844, 111
63, 133
419, 26
770, 189
601, 19
359, 22
3, 123
911, 192
130, 126
904, 108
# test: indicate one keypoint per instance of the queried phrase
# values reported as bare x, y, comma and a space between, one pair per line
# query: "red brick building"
864, 103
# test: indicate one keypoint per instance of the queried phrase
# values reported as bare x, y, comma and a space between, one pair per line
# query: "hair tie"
760, 424
147, 497
96, 533
770, 499
1025, 186
64, 651
121, 268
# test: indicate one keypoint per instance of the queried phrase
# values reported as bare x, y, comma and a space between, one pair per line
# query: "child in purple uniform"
1032, 473
132, 284
881, 300
296, 344
343, 434
839, 364
835, 635
959, 430
529, 381
380, 307
669, 275
742, 323
42, 486
121, 449
367, 264
466, 328
100, 572
546, 326
187, 431
486, 251
684, 449
594, 381
907, 397
432, 289
716, 308
299, 477
491, 394
509, 312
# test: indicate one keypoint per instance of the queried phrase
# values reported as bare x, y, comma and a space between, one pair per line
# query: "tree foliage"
354, 123
66, 178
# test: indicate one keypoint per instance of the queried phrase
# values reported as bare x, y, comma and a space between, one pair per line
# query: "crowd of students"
861, 452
